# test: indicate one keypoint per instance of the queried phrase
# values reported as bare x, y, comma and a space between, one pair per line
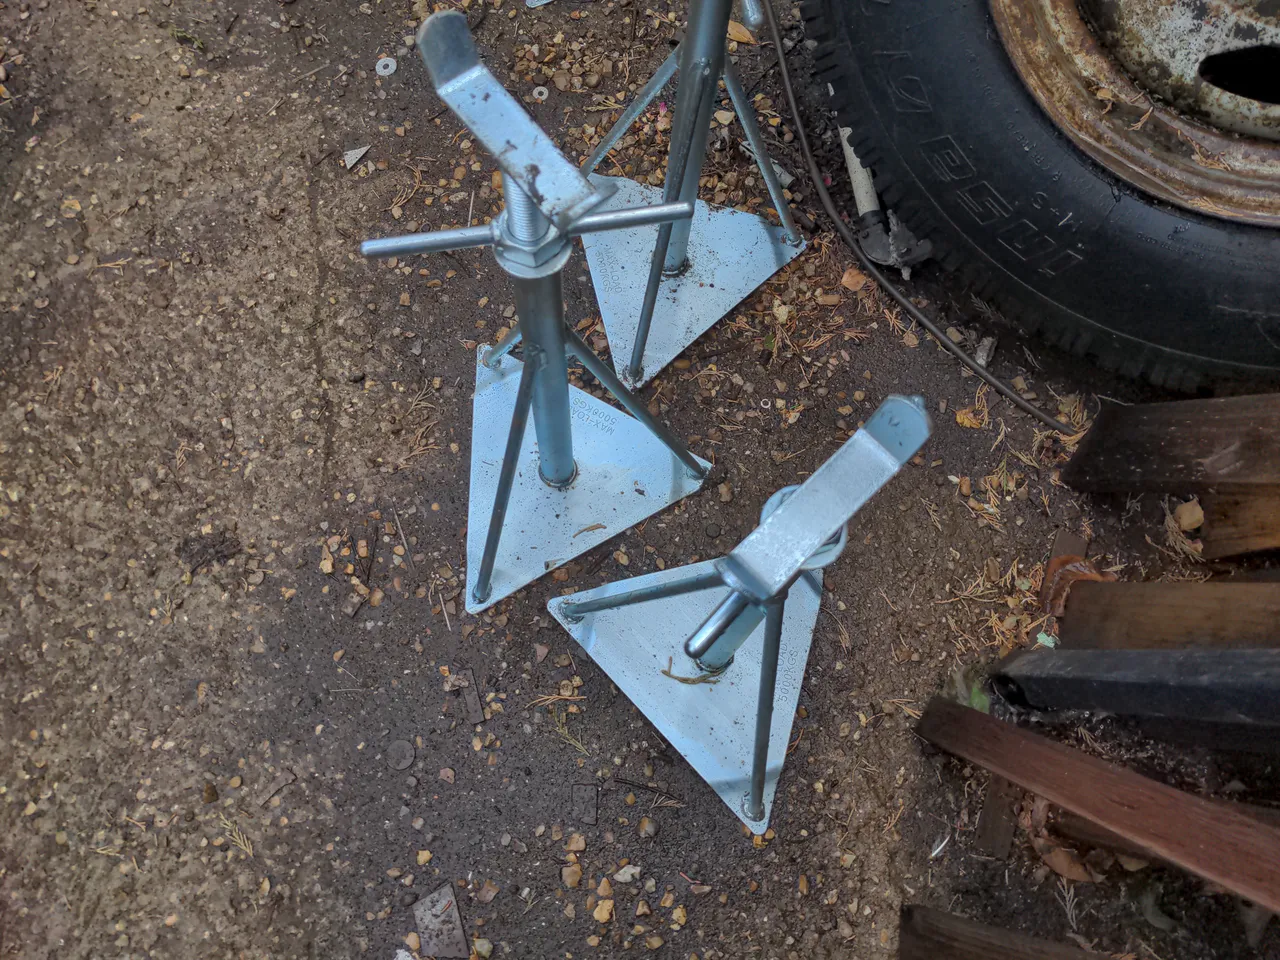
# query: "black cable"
868, 265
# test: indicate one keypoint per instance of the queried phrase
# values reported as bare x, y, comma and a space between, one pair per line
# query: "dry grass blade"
845, 641
706, 678
1181, 546
548, 699
236, 835
933, 513
561, 720
906, 707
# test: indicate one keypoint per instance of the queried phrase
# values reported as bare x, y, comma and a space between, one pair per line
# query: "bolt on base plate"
712, 725
730, 254
625, 474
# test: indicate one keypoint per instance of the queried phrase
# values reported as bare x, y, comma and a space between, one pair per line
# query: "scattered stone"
571, 875
400, 754
483, 948
603, 911
440, 925
576, 843
351, 157
627, 874
446, 774
647, 827
653, 942
986, 350
586, 800
234, 783
210, 793
412, 941
471, 696
643, 909
605, 889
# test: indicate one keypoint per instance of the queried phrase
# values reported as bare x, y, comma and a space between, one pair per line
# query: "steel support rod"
510, 460
434, 241
746, 112
631, 403
631, 217
632, 113
540, 304
703, 49
682, 134
754, 805
713, 628
506, 343
659, 591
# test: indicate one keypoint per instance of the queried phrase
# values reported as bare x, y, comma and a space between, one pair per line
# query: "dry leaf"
1062, 572
724, 117
1065, 863
740, 34
967, 418
853, 279
571, 875
1190, 515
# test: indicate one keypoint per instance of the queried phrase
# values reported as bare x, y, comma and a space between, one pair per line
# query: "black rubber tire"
965, 156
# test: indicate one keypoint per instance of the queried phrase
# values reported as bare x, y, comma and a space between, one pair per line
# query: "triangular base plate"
730, 254
712, 725
624, 475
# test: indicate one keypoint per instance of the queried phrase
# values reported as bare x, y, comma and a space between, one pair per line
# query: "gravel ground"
233, 477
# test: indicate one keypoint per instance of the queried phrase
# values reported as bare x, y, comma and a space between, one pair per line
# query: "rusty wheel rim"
1139, 137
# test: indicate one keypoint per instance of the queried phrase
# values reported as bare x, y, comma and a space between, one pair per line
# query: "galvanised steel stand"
700, 268
746, 620
548, 499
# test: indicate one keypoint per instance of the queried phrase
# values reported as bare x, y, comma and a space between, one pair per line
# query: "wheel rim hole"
1251, 72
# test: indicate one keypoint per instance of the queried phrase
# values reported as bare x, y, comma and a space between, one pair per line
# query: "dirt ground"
233, 486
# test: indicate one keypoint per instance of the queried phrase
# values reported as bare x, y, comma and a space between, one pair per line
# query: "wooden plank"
1215, 686
1200, 836
928, 934
1220, 738
1236, 523
1188, 446
1068, 544
997, 823
1077, 829
1162, 615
